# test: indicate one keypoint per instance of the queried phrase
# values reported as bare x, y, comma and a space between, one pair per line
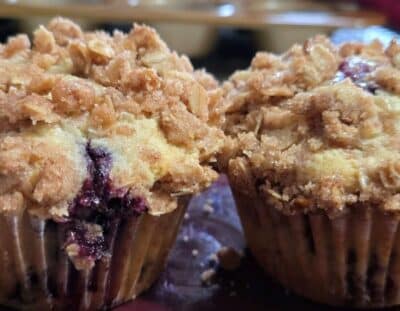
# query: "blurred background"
221, 35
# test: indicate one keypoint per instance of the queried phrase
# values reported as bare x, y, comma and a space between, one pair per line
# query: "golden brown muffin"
313, 157
102, 139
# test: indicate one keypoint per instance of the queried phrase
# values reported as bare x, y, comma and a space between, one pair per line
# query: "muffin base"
36, 273
352, 260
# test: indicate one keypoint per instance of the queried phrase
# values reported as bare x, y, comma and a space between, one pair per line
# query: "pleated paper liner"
351, 260
36, 274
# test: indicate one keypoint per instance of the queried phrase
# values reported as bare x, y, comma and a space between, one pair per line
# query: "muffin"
313, 158
103, 138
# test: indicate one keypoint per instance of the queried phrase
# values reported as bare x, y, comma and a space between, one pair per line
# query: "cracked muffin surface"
317, 127
96, 126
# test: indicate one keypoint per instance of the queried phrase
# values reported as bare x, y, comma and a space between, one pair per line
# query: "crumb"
185, 238
207, 276
208, 208
213, 257
187, 216
195, 252
229, 258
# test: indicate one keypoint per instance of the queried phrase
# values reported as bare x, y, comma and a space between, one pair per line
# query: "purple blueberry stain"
98, 206
357, 69
86, 236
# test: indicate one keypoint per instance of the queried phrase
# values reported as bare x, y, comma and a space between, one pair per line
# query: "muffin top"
89, 117
317, 127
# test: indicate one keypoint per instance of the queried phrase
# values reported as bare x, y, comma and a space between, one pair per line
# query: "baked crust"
125, 93
317, 127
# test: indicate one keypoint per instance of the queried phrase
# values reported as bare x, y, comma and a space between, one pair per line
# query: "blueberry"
98, 203
357, 70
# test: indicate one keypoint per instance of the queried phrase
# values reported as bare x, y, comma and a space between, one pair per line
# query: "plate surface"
204, 231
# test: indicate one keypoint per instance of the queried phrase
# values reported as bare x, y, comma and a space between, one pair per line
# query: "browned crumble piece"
208, 276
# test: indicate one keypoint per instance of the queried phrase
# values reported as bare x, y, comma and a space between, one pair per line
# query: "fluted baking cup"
350, 260
36, 273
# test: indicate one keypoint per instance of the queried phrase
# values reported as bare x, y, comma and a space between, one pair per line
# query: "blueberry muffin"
313, 157
102, 140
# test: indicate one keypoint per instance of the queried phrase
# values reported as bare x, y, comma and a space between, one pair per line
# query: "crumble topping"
96, 126
317, 127
127, 93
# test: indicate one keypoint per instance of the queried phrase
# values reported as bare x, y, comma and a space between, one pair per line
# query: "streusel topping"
317, 127
127, 96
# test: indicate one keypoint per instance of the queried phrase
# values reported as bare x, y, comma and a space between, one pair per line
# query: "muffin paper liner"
350, 260
36, 274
